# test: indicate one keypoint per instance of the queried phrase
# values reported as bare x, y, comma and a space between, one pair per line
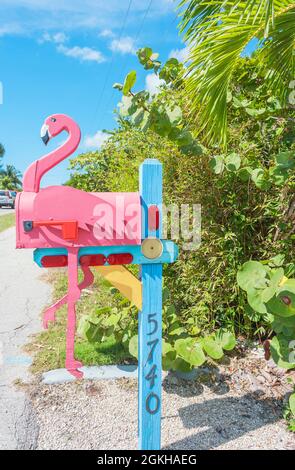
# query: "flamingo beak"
45, 134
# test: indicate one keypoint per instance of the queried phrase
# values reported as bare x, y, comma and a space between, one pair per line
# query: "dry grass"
6, 221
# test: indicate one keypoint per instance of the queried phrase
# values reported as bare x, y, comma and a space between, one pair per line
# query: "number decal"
151, 376
153, 321
149, 399
153, 345
152, 400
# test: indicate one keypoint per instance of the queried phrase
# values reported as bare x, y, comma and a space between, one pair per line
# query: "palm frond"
277, 55
217, 33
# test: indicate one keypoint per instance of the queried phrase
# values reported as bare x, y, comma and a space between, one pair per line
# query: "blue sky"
62, 56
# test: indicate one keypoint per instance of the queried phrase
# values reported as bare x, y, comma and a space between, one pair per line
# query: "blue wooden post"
150, 319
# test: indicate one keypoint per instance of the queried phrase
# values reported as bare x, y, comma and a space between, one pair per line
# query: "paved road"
4, 211
22, 296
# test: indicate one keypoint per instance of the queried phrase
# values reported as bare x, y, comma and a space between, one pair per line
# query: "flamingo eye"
53, 119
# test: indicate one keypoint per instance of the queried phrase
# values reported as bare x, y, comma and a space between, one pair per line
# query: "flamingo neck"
35, 172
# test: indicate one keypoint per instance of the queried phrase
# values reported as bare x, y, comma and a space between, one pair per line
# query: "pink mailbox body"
61, 216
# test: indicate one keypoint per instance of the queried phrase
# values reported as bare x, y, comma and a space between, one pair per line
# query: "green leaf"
245, 173
280, 351
171, 311
212, 347
165, 294
166, 347
83, 326
255, 112
112, 320
286, 160
138, 117
255, 300
277, 260
226, 339
276, 276
217, 164
184, 138
283, 303
252, 275
129, 82
168, 360
175, 115
181, 365
292, 403
176, 330
285, 325
278, 175
233, 162
127, 106
103, 310
259, 178
229, 96
133, 346
145, 56
240, 103
191, 351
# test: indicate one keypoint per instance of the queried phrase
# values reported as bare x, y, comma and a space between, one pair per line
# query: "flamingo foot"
76, 373
72, 366
48, 316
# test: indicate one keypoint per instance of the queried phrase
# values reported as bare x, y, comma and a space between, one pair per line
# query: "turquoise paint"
169, 255
150, 319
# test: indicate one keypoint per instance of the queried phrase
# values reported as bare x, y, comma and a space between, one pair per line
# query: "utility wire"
136, 39
98, 107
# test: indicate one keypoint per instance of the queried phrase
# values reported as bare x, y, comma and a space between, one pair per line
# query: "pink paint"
49, 314
61, 216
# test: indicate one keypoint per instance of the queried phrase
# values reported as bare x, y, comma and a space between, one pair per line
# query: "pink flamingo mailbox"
73, 228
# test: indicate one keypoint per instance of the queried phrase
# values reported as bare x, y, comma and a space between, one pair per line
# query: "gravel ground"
218, 410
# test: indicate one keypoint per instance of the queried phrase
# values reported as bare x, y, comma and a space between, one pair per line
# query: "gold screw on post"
152, 248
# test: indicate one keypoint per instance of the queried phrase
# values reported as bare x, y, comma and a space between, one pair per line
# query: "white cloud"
77, 52
181, 55
153, 83
95, 141
106, 33
57, 38
35, 16
125, 45
10, 28
86, 54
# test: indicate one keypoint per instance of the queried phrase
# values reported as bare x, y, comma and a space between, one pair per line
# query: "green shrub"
183, 346
246, 193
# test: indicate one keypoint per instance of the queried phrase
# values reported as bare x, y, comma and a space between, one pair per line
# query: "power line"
136, 39
98, 107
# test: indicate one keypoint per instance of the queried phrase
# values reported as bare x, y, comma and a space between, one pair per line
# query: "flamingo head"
54, 125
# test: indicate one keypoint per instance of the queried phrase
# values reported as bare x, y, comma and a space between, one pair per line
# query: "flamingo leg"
73, 295
49, 314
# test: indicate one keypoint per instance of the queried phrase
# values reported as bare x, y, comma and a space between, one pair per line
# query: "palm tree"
217, 33
2, 152
10, 178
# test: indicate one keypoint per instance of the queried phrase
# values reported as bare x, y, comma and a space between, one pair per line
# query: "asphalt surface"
22, 297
